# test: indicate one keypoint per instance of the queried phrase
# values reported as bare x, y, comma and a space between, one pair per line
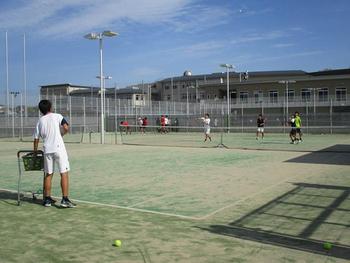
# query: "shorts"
260, 129
298, 130
293, 131
61, 158
207, 131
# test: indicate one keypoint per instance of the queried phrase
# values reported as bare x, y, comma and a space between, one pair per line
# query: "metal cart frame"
36, 163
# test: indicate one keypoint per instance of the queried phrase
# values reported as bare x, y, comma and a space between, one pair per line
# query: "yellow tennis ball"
117, 243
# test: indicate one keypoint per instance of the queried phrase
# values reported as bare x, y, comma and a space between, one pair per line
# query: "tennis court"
192, 203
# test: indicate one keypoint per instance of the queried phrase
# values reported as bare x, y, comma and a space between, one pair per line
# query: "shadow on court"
296, 220
338, 154
5, 196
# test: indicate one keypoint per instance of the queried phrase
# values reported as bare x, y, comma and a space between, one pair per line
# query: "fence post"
307, 117
97, 115
242, 118
70, 112
84, 116
21, 109
331, 115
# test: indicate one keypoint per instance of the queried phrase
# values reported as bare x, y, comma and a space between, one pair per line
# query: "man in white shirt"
51, 127
206, 124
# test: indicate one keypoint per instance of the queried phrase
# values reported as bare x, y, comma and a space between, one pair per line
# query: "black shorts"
298, 130
293, 132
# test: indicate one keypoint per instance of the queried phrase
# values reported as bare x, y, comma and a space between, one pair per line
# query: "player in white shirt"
50, 128
206, 125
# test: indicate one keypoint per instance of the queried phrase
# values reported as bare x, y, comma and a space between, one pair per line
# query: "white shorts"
60, 158
260, 129
207, 130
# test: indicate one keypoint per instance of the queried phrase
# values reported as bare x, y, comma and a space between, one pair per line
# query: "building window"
137, 97
340, 94
183, 86
291, 94
202, 95
323, 94
183, 96
306, 95
273, 95
166, 87
168, 97
175, 87
258, 96
243, 97
233, 96
208, 96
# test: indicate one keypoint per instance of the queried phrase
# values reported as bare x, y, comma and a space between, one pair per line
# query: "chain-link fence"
84, 114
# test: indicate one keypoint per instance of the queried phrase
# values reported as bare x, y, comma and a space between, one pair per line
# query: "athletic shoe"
66, 203
47, 202
52, 200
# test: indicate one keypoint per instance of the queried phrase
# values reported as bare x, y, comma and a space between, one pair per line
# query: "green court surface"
185, 204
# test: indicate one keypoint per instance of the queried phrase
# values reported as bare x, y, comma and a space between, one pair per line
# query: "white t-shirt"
206, 123
48, 128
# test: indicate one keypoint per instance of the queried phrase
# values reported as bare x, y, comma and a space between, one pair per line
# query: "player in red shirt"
126, 127
162, 123
144, 124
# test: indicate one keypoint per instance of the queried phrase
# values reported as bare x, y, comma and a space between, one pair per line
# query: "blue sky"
162, 38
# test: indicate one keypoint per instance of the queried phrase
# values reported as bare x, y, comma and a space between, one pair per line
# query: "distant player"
292, 133
167, 123
140, 122
206, 125
125, 126
144, 124
261, 124
298, 127
162, 123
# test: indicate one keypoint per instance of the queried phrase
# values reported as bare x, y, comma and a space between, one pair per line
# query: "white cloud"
67, 17
259, 37
283, 45
64, 18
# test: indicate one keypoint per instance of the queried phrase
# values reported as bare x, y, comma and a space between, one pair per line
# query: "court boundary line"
132, 208
241, 200
122, 207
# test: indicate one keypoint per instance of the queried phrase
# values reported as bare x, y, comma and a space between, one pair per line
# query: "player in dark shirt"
293, 131
261, 124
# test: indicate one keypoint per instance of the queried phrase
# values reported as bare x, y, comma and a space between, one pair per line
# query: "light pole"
104, 90
14, 95
228, 67
287, 91
99, 36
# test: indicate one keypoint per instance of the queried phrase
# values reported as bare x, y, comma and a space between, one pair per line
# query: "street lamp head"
226, 65
109, 33
104, 77
92, 36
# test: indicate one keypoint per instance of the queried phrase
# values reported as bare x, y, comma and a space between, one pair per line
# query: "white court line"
132, 208
241, 200
148, 200
122, 207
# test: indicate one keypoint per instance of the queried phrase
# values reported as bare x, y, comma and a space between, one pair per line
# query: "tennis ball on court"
117, 243
327, 245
